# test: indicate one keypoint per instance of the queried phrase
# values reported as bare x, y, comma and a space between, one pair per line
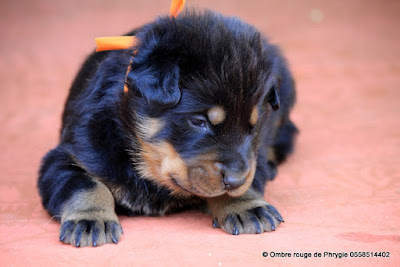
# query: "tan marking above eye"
216, 115
254, 116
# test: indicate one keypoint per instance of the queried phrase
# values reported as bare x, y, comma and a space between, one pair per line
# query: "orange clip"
114, 43
176, 7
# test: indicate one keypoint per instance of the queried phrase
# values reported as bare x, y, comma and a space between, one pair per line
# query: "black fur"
183, 66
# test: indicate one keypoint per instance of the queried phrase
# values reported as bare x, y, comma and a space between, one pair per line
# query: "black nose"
232, 182
235, 172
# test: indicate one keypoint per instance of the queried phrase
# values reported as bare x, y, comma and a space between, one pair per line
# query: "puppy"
202, 125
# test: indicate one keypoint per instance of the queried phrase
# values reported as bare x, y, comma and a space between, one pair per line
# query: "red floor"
339, 192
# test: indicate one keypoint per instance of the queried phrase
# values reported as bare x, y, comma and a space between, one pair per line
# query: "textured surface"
339, 192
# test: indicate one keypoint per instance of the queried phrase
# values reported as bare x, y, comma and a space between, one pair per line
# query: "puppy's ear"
156, 80
272, 97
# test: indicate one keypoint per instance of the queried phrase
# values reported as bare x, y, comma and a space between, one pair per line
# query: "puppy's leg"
247, 214
282, 146
84, 205
284, 141
88, 218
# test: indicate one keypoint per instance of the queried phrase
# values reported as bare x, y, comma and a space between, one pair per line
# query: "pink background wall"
339, 192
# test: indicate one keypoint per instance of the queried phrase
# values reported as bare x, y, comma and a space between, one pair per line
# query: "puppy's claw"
111, 229
81, 227
115, 228
66, 230
256, 224
231, 222
263, 213
275, 213
216, 224
281, 220
95, 236
236, 231
270, 221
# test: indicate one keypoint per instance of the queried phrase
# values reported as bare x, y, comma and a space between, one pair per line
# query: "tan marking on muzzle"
160, 162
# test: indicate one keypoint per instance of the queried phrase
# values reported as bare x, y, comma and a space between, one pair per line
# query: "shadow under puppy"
203, 125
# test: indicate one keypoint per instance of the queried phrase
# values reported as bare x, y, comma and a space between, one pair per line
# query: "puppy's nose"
231, 182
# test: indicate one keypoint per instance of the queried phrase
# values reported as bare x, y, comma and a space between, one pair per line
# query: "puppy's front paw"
248, 214
252, 221
90, 231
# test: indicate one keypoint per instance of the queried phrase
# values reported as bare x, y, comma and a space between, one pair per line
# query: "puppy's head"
199, 89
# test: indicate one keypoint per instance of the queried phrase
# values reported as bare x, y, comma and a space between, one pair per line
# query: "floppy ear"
157, 81
273, 97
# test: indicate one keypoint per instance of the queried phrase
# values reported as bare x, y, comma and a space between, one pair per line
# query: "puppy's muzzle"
212, 175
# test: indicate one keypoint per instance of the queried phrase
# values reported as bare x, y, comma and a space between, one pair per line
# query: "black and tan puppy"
203, 125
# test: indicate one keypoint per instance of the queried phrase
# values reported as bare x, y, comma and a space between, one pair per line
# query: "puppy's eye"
251, 127
198, 121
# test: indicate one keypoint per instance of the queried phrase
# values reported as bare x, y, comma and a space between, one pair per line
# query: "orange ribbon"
114, 43
124, 42
176, 7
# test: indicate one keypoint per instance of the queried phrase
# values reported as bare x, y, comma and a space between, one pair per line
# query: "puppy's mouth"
194, 191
